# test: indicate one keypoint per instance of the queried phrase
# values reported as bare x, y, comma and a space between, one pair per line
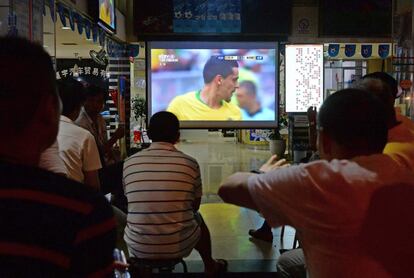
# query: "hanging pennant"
52, 10
109, 47
43, 8
333, 50
87, 28
79, 22
95, 33
61, 12
71, 20
133, 50
366, 50
383, 50
350, 50
102, 36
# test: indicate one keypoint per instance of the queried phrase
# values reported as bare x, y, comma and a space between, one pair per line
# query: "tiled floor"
219, 157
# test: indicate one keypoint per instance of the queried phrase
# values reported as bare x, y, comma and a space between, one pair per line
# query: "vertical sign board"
304, 76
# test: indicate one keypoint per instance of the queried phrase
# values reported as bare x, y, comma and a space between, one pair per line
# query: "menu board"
304, 77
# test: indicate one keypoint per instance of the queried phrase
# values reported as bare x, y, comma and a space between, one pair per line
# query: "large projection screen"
304, 76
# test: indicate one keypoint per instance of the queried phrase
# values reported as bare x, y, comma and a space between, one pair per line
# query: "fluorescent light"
65, 27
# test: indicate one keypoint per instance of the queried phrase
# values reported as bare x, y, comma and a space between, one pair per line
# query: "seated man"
400, 147
163, 187
50, 226
326, 200
77, 146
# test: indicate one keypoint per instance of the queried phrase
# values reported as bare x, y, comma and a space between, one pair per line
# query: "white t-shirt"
326, 202
77, 148
51, 161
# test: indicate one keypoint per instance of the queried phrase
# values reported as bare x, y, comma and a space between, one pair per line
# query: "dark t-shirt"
51, 226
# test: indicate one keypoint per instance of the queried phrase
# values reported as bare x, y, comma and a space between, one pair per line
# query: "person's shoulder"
185, 97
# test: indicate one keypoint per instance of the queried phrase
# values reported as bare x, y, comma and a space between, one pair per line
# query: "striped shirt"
161, 184
52, 226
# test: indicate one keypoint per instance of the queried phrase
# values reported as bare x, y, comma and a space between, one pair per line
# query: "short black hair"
72, 95
164, 127
27, 77
216, 66
93, 90
355, 119
387, 79
250, 87
383, 92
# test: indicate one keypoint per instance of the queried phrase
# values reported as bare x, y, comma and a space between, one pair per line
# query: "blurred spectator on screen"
252, 109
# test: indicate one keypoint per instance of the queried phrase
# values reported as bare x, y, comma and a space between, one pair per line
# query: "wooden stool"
144, 267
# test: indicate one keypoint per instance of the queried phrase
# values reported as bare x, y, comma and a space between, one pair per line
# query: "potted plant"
139, 108
300, 151
140, 114
277, 143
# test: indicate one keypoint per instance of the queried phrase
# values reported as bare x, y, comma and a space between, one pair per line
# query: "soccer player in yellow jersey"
212, 102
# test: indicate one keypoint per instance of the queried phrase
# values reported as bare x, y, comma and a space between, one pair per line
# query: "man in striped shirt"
50, 226
163, 187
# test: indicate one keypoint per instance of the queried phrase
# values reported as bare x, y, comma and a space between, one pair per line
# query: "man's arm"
234, 190
91, 179
196, 204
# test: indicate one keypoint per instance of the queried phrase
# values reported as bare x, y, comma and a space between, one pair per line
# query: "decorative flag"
133, 50
95, 33
79, 22
52, 10
87, 28
383, 50
102, 37
71, 20
61, 12
350, 50
366, 50
333, 50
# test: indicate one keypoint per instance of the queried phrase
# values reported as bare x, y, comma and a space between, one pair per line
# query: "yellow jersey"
190, 107
400, 146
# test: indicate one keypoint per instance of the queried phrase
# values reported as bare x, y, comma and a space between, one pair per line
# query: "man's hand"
119, 132
274, 163
234, 190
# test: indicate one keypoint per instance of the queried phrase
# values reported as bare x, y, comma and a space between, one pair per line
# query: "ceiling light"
65, 28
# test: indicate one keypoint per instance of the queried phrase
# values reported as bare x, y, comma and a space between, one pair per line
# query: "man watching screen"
326, 200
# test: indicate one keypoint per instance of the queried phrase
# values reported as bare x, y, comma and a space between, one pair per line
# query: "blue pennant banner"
350, 50
43, 8
133, 50
61, 12
87, 28
110, 47
333, 50
52, 10
79, 22
95, 33
101, 37
71, 20
383, 50
366, 50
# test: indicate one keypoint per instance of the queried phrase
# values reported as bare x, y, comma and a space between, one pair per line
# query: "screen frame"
102, 23
215, 124
323, 76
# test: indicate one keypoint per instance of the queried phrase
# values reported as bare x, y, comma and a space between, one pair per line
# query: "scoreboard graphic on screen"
304, 77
